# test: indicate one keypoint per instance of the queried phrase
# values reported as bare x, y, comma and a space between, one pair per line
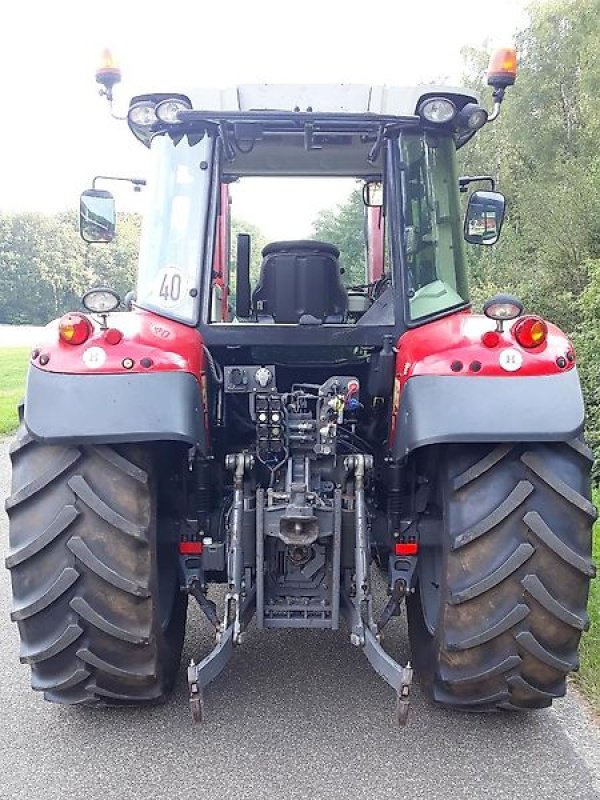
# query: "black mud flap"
133, 407
438, 409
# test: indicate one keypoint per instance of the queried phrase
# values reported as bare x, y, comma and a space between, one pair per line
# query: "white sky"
56, 133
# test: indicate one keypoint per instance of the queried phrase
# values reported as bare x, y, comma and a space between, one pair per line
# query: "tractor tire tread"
536, 589
84, 567
84, 554
482, 466
515, 499
516, 560
86, 612
58, 467
59, 524
90, 498
509, 606
537, 526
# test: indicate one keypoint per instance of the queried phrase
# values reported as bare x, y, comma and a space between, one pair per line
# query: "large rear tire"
95, 592
501, 604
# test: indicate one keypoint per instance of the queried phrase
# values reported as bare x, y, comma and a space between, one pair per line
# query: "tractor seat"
300, 282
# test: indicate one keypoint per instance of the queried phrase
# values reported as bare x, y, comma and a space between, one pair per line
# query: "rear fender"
150, 386
450, 387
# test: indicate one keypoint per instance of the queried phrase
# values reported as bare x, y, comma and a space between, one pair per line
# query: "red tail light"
74, 329
530, 332
113, 336
406, 548
190, 548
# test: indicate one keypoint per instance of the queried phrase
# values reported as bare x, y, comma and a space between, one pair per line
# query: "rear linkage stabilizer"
358, 609
239, 600
357, 605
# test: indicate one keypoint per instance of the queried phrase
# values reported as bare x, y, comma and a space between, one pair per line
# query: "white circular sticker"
94, 357
511, 360
170, 288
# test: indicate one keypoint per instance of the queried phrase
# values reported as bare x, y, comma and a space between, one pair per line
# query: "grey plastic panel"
435, 409
114, 408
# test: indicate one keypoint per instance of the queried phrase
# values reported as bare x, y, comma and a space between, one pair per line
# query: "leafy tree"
45, 267
344, 227
543, 151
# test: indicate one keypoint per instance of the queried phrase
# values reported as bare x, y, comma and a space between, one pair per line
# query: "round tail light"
530, 332
74, 329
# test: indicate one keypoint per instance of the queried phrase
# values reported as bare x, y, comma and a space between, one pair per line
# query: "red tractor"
277, 426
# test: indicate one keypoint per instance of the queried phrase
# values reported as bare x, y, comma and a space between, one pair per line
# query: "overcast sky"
56, 133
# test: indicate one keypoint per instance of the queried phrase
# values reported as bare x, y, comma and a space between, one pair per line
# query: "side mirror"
484, 217
373, 194
97, 216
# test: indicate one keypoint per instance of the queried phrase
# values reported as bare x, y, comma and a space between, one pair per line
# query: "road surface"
296, 715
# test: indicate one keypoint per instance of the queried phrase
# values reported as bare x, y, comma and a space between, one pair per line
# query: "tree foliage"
45, 267
344, 227
544, 152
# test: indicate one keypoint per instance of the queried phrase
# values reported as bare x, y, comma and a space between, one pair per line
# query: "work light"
438, 110
142, 114
168, 110
101, 301
471, 117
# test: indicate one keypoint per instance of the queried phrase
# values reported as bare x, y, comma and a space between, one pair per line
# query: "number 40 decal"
170, 289
170, 286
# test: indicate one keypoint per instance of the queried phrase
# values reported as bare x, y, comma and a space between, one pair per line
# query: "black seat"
300, 281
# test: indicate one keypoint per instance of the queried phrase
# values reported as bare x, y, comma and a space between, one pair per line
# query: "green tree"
45, 267
345, 228
543, 151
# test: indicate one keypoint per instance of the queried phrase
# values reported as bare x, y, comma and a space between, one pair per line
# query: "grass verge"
13, 367
588, 677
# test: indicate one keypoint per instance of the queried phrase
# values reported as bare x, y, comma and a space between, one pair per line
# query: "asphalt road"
296, 715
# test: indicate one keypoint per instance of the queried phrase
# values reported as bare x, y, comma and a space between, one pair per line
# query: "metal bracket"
200, 675
392, 608
364, 631
207, 606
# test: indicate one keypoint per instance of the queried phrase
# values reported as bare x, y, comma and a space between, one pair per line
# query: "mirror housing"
373, 194
97, 216
484, 217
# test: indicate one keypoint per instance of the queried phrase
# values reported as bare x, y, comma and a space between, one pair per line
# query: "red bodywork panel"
170, 346
433, 348
456, 341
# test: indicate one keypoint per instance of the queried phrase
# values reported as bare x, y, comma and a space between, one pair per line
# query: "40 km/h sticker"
170, 289
511, 360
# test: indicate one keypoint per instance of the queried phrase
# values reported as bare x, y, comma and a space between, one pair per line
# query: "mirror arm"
137, 182
465, 180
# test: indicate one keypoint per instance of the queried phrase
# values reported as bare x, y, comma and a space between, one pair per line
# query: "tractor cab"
377, 162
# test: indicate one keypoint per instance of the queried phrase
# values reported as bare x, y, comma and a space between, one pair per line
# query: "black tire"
501, 604
95, 595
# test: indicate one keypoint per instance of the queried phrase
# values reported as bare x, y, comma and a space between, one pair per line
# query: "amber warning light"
108, 73
502, 69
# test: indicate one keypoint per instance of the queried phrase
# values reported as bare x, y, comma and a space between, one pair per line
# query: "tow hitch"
352, 595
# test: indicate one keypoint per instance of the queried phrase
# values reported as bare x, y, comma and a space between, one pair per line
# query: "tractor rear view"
278, 422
